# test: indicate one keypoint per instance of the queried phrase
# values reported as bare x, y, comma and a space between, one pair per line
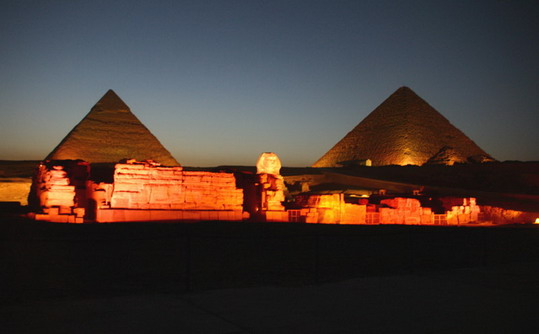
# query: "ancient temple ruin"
74, 191
403, 130
110, 168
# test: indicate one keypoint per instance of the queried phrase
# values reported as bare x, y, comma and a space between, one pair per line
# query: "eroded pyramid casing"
403, 130
111, 132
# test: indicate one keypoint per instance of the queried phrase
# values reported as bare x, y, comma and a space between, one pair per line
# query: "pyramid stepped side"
111, 132
404, 129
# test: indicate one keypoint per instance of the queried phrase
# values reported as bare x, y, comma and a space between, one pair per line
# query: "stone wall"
146, 192
332, 209
142, 186
140, 191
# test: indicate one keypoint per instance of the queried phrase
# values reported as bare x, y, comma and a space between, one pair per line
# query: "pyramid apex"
405, 89
112, 102
404, 93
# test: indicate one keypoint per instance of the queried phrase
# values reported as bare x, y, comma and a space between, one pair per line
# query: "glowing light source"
407, 161
536, 221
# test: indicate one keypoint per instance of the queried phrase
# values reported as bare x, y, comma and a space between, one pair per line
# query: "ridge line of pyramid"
111, 101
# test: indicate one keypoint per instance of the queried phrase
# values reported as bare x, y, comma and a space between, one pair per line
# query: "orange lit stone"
268, 163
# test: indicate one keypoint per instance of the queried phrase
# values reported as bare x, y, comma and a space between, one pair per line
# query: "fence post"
317, 256
411, 260
187, 266
484, 247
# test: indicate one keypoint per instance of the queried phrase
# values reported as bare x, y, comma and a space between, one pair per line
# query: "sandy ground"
495, 299
15, 190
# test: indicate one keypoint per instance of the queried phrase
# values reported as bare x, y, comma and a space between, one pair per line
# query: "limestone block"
390, 216
191, 215
79, 212
127, 186
427, 218
204, 215
405, 204
162, 215
159, 206
41, 216
214, 215
51, 198
158, 194
224, 215
206, 206
354, 214
136, 215
59, 218
452, 218
120, 201
464, 218
392, 203
65, 210
311, 218
276, 216
60, 188
53, 211
412, 220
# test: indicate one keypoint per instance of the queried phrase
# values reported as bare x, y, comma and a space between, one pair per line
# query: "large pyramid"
111, 132
403, 130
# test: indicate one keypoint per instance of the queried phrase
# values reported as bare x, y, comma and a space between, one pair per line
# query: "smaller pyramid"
446, 156
110, 132
403, 130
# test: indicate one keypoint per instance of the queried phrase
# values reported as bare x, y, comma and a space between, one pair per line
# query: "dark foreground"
492, 299
139, 277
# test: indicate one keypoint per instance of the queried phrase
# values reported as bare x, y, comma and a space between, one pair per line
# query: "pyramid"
111, 132
446, 156
403, 130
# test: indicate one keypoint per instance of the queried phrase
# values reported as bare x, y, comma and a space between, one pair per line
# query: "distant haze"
219, 82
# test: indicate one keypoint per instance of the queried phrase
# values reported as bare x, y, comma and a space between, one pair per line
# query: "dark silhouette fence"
58, 260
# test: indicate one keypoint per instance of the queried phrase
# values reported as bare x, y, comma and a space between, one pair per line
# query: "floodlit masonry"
74, 191
403, 130
68, 192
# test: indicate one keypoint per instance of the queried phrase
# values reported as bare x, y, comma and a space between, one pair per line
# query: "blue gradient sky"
219, 82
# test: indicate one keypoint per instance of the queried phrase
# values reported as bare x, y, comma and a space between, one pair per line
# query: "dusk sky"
219, 82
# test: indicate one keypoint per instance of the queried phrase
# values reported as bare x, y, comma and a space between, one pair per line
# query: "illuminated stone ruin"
139, 191
271, 188
74, 191
82, 181
327, 209
334, 209
57, 196
403, 130
404, 211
